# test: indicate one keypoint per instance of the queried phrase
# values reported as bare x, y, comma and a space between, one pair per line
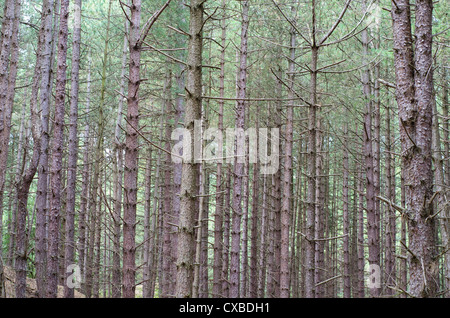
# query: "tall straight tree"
414, 93
57, 150
287, 174
315, 43
390, 223
346, 219
372, 225
44, 102
73, 147
24, 183
136, 38
131, 150
5, 49
236, 207
190, 178
84, 200
218, 216
7, 94
118, 175
95, 198
24, 187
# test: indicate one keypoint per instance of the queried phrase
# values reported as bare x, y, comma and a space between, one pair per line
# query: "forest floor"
31, 291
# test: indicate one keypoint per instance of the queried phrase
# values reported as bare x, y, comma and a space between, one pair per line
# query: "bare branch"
335, 25
148, 25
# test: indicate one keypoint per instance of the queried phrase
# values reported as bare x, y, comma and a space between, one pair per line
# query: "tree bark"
166, 285
189, 181
41, 195
414, 85
372, 225
287, 174
84, 200
218, 216
57, 145
346, 221
131, 152
390, 223
5, 50
73, 148
240, 153
118, 179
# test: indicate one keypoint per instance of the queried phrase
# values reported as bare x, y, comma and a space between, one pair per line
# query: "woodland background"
91, 91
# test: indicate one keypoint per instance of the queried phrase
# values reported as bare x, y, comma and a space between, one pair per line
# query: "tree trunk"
236, 209
255, 248
84, 200
372, 225
5, 49
226, 236
73, 148
390, 223
131, 152
57, 145
41, 194
414, 85
190, 178
118, 177
311, 196
166, 285
346, 221
287, 174
446, 167
218, 216
361, 223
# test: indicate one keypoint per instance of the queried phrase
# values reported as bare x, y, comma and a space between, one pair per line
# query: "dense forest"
224, 149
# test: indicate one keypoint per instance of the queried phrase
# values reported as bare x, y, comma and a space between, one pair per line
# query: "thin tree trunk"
372, 225
446, 166
154, 242
236, 209
204, 284
263, 243
218, 216
376, 139
276, 198
84, 200
57, 148
23, 186
41, 194
226, 236
190, 178
21, 246
73, 148
287, 174
244, 260
146, 287
20, 159
319, 213
167, 200
5, 50
390, 223
361, 223
255, 248
442, 198
7, 92
310, 288
131, 151
118, 177
346, 232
